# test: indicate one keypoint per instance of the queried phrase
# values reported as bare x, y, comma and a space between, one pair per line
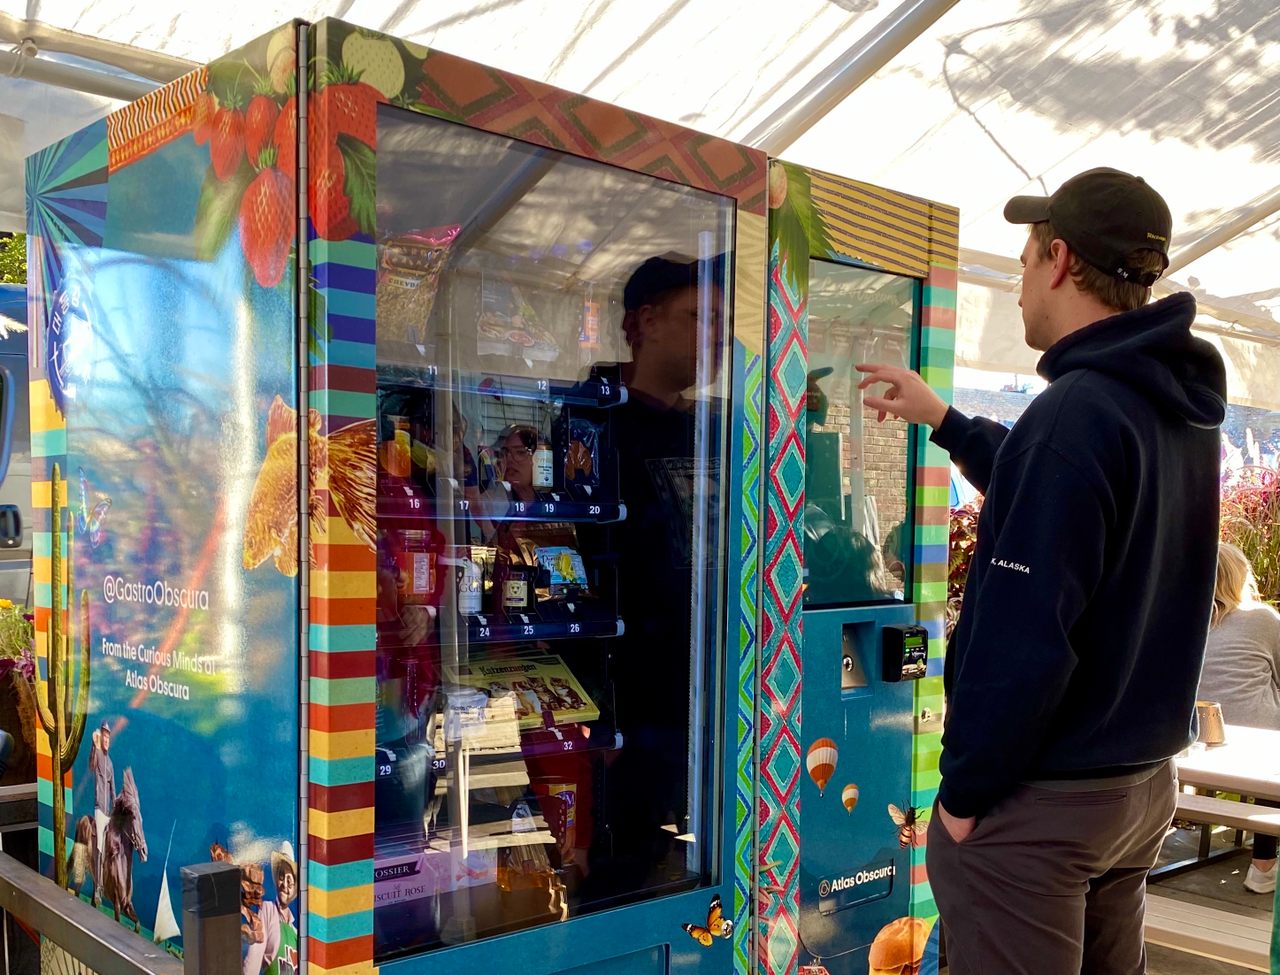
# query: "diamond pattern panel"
782, 673
537, 113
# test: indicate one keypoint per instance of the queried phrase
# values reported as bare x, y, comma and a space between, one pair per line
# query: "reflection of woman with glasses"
514, 448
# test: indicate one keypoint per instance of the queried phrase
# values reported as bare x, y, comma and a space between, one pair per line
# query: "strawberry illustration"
327, 197
350, 106
226, 141
266, 225
202, 117
285, 139
259, 126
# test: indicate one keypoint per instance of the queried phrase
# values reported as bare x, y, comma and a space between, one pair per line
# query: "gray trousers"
1052, 882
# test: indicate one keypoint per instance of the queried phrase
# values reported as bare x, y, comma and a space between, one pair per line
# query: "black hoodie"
1078, 650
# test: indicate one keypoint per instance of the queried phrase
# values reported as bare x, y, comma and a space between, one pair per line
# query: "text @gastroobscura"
153, 592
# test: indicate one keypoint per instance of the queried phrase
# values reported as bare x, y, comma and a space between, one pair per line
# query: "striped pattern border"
342, 685
888, 230
48, 447
154, 119
933, 481
66, 205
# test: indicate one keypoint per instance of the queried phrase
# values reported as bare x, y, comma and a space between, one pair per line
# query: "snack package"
410, 266
562, 572
541, 684
559, 800
509, 325
582, 455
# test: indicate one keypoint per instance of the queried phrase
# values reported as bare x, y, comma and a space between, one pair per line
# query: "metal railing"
95, 943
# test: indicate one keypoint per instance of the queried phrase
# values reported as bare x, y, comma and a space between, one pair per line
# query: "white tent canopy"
965, 102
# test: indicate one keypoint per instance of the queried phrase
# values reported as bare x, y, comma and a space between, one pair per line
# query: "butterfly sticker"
92, 522
911, 830
718, 926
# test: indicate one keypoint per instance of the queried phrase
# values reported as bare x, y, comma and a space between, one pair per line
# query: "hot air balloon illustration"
821, 762
849, 797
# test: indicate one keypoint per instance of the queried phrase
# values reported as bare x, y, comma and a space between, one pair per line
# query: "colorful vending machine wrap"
206, 295
163, 404
848, 762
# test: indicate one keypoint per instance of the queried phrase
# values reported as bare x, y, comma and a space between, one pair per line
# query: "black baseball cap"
1104, 215
658, 275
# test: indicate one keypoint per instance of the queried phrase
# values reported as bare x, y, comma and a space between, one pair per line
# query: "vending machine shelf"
509, 629
596, 391
505, 771
405, 507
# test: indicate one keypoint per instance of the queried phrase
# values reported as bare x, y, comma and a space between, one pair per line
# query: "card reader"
905, 652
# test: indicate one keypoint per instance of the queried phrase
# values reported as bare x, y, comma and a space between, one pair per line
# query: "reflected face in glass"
516, 454
668, 336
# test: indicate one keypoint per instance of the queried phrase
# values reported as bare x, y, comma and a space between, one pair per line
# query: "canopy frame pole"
780, 129
70, 76
1257, 211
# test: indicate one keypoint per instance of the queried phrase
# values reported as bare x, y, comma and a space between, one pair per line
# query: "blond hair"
1235, 584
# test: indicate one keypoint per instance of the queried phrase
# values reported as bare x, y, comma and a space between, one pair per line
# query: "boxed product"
539, 684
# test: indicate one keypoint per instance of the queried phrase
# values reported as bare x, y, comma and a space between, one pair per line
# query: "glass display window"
551, 438
858, 511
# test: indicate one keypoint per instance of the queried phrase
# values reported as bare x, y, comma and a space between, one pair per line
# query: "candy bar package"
582, 455
410, 267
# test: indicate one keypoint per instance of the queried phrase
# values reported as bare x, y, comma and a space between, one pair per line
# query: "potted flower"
17, 686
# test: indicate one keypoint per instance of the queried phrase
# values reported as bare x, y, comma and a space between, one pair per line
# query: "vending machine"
398, 477
854, 578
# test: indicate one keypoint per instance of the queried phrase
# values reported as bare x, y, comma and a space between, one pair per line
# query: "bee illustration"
911, 830
718, 926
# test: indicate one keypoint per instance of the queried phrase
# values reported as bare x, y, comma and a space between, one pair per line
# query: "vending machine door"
858, 274
543, 344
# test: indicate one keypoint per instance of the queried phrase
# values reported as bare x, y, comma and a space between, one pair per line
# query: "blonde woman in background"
1242, 673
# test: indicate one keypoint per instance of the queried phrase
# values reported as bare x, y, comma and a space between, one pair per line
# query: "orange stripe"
931, 316
343, 612
344, 558
933, 515
350, 952
342, 717
933, 477
919, 874
943, 277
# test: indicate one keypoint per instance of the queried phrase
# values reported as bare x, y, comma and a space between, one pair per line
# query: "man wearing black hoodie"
1071, 676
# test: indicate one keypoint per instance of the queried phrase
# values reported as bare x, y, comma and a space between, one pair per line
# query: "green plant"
961, 542
13, 259
18, 662
1251, 520
62, 723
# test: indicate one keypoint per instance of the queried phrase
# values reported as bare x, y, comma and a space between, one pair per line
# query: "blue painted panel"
854, 876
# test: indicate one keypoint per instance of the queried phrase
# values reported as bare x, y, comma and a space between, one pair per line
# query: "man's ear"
640, 323
1060, 255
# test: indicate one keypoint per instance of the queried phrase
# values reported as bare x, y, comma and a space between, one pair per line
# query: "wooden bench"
1208, 932
1228, 812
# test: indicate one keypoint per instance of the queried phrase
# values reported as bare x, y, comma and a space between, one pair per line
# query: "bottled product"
543, 466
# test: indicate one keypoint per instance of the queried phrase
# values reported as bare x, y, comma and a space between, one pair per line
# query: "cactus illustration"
63, 724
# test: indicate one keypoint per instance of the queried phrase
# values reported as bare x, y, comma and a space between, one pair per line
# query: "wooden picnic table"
1248, 763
